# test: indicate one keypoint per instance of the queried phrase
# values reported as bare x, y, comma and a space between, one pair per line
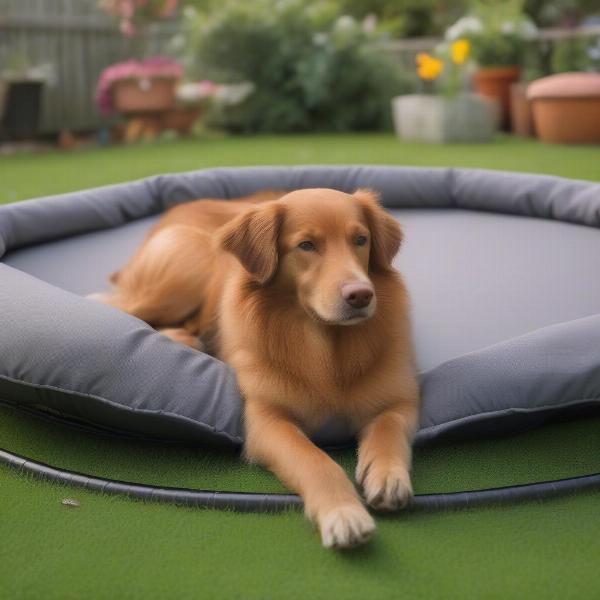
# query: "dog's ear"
252, 238
386, 234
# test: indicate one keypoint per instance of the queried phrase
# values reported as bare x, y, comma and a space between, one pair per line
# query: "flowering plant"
447, 64
196, 93
141, 70
135, 15
498, 32
202, 92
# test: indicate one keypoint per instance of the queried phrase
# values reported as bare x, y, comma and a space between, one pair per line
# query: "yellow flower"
428, 67
460, 51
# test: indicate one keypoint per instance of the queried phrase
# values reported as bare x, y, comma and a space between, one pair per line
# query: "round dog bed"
502, 269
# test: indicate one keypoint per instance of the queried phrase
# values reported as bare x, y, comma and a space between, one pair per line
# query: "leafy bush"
311, 70
495, 49
571, 55
499, 32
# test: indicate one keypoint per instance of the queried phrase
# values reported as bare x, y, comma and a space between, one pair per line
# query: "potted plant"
445, 112
141, 85
138, 86
567, 56
521, 116
499, 33
191, 99
566, 107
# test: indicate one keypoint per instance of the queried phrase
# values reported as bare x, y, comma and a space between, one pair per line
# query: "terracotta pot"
521, 116
134, 96
182, 119
494, 83
566, 108
568, 120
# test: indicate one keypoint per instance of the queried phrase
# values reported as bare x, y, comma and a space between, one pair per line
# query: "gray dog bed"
502, 269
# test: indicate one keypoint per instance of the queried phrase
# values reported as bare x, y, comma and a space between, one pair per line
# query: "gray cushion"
483, 284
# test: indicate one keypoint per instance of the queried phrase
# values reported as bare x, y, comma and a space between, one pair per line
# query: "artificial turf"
113, 548
117, 548
27, 176
558, 450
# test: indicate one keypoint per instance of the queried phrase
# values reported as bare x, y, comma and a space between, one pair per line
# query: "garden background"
266, 82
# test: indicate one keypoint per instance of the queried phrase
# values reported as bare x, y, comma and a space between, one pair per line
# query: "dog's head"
320, 244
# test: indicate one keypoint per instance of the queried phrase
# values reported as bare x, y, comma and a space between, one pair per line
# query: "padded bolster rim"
188, 429
55, 217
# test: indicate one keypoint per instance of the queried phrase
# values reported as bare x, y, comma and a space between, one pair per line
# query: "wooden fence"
78, 41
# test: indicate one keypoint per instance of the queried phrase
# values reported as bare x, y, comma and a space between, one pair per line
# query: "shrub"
571, 55
310, 69
498, 31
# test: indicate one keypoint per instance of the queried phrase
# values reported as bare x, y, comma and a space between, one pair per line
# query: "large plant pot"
494, 83
135, 96
521, 116
425, 118
566, 108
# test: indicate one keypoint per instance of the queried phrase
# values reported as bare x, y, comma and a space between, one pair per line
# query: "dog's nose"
357, 295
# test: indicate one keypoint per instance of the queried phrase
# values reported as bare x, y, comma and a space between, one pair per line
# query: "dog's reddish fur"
233, 273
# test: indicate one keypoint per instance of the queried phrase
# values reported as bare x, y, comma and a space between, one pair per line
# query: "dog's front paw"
385, 487
346, 526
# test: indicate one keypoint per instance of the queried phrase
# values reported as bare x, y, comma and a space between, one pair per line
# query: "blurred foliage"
414, 18
571, 55
557, 13
312, 69
495, 49
408, 18
498, 30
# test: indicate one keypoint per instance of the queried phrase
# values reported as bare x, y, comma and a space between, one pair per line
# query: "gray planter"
428, 118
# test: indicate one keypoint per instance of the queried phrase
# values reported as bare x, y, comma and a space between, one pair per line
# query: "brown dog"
298, 294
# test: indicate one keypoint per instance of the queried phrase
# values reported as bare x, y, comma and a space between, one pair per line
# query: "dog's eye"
307, 246
361, 240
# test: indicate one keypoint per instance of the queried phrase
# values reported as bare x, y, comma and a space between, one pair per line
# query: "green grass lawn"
28, 176
112, 547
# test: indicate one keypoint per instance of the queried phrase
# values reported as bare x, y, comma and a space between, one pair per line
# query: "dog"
296, 291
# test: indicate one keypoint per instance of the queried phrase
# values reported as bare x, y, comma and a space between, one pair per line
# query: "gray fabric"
523, 379
34, 222
83, 263
477, 280
72, 356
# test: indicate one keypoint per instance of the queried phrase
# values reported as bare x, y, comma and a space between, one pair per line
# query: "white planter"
428, 118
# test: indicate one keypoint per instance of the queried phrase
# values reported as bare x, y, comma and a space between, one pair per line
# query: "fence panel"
78, 41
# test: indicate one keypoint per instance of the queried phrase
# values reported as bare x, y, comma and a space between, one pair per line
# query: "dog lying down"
297, 292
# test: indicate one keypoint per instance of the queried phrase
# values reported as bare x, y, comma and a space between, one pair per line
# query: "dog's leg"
162, 284
330, 499
384, 457
183, 336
